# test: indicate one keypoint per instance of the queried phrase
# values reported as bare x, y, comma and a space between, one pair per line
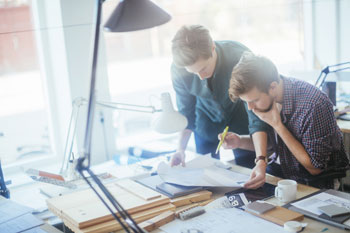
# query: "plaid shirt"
308, 115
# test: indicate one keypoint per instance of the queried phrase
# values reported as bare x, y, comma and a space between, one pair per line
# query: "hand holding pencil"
222, 138
230, 140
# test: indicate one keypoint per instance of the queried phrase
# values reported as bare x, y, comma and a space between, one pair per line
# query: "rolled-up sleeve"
320, 135
186, 102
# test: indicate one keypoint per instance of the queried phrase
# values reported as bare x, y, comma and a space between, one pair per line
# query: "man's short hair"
252, 71
190, 44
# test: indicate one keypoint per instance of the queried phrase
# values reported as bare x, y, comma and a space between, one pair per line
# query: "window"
23, 114
139, 62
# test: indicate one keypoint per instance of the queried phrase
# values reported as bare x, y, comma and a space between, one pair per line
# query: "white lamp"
165, 121
168, 121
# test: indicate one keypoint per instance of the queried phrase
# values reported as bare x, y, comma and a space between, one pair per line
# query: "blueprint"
223, 220
201, 171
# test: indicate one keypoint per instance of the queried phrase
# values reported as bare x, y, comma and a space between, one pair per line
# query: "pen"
222, 139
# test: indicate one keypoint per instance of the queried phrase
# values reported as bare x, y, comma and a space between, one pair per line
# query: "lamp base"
330, 88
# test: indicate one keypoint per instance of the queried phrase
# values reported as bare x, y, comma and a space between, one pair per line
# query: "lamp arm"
345, 64
128, 107
77, 103
322, 79
328, 69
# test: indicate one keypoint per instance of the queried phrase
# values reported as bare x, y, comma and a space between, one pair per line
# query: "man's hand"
257, 177
271, 117
231, 141
177, 158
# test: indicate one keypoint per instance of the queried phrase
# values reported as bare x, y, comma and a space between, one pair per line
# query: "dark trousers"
243, 158
275, 170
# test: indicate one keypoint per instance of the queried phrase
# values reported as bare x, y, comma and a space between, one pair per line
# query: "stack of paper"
201, 171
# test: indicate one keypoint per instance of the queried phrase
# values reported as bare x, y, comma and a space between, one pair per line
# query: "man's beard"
267, 109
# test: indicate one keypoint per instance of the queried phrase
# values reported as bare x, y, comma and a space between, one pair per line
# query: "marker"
222, 139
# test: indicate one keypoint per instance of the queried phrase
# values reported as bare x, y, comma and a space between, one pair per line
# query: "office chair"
328, 175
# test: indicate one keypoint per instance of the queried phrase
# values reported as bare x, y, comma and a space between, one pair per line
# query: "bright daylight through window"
137, 64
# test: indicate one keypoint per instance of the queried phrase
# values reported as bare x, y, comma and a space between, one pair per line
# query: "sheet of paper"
30, 196
20, 224
202, 171
312, 203
202, 161
10, 209
228, 220
35, 230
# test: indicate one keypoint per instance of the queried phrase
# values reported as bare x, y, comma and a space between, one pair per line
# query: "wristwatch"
261, 157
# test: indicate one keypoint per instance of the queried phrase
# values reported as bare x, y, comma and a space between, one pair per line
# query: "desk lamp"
166, 121
130, 15
322, 78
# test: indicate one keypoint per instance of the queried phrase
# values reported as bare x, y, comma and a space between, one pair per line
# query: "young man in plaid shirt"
305, 138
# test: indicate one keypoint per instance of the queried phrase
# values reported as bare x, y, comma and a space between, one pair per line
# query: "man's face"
257, 100
204, 68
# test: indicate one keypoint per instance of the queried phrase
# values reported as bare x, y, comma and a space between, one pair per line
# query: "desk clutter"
82, 211
328, 206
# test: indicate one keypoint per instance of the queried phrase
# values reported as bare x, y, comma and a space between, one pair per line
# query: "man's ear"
273, 89
213, 47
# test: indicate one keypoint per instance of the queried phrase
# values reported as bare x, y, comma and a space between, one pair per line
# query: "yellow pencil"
223, 135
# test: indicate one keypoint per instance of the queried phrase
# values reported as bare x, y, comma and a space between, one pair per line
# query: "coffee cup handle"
278, 193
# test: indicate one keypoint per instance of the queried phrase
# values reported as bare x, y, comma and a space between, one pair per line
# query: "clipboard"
329, 221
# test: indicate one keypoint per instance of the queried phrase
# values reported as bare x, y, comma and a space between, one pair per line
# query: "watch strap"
261, 157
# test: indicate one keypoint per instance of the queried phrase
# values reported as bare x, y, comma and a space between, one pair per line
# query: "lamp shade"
168, 121
133, 15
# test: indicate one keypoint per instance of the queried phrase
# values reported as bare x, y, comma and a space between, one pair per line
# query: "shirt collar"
218, 61
288, 96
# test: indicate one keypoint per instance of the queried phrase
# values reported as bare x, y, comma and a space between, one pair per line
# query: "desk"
303, 190
344, 126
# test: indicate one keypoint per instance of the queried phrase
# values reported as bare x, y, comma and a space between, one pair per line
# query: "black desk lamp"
331, 69
130, 15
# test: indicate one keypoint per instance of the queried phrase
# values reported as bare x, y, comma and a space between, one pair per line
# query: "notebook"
333, 210
259, 207
170, 190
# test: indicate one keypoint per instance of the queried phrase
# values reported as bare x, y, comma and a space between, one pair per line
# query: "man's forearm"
297, 149
183, 139
246, 143
260, 143
257, 143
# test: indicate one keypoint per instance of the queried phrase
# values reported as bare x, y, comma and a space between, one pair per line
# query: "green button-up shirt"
209, 110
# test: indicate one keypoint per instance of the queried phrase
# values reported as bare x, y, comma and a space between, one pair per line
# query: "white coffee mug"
286, 190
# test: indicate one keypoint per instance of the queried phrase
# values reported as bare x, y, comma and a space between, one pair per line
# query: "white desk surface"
303, 190
344, 126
